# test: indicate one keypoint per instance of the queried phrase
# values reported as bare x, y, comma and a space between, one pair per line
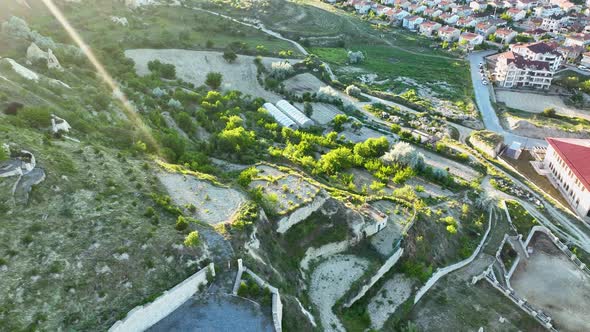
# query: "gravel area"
214, 204
302, 83
322, 113
363, 134
330, 281
193, 66
291, 191
551, 282
394, 292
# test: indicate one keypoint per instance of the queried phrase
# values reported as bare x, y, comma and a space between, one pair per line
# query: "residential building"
539, 51
513, 70
485, 28
579, 39
433, 12
505, 36
470, 40
412, 22
429, 28
585, 59
449, 18
550, 24
449, 34
570, 53
567, 163
525, 4
516, 14
468, 22
478, 6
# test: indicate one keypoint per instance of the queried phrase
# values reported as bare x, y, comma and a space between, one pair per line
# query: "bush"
214, 80
181, 223
3, 152
549, 112
37, 117
353, 91
230, 56
192, 239
165, 70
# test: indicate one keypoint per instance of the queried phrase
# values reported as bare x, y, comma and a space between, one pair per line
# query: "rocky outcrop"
34, 53
120, 20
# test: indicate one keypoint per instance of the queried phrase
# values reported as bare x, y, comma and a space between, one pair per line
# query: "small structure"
378, 218
279, 116
296, 115
514, 150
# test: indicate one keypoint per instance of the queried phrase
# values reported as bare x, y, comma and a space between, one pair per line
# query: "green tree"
214, 80
307, 108
165, 70
210, 44
192, 239
230, 56
339, 121
336, 160
3, 153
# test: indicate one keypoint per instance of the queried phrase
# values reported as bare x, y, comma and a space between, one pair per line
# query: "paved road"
488, 113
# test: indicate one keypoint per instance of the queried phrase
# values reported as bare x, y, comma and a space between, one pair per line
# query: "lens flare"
102, 72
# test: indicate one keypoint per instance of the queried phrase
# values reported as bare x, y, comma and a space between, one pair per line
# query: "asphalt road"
488, 113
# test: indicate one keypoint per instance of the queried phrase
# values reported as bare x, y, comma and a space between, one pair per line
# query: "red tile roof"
575, 153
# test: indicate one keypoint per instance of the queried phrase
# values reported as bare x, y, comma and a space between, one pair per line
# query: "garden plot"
322, 113
394, 292
398, 219
551, 282
288, 192
330, 281
430, 189
193, 67
306, 82
214, 204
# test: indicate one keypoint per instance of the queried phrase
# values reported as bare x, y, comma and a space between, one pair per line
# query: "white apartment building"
569, 170
539, 51
512, 70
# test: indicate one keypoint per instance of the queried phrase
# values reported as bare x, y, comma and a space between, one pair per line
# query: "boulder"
52, 62
34, 53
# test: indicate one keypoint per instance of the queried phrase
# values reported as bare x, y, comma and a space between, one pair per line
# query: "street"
488, 113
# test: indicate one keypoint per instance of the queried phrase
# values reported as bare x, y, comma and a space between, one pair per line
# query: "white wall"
302, 213
143, 317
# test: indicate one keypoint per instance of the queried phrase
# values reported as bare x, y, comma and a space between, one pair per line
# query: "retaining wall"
302, 213
277, 304
143, 317
448, 269
389, 263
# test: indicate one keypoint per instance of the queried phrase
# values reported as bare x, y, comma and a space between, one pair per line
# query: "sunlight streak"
102, 72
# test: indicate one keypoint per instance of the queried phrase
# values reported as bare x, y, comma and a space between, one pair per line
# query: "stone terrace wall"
143, 317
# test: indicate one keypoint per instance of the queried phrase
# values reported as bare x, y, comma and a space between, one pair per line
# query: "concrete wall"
277, 304
389, 263
302, 213
143, 317
326, 250
448, 269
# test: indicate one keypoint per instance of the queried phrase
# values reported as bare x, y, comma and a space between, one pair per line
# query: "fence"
143, 317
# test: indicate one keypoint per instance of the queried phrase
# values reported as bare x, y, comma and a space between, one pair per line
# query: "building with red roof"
568, 160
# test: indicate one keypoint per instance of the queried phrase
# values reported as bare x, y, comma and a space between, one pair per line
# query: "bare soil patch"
193, 66
330, 281
394, 292
214, 204
536, 103
302, 83
551, 282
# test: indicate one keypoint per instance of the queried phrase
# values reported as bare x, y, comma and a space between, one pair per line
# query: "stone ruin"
34, 53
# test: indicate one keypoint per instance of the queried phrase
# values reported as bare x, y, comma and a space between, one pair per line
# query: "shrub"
214, 80
353, 91
230, 56
165, 70
549, 112
246, 176
192, 239
281, 70
181, 223
3, 152
37, 117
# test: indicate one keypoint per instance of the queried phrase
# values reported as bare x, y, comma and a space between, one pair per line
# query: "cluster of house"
562, 26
